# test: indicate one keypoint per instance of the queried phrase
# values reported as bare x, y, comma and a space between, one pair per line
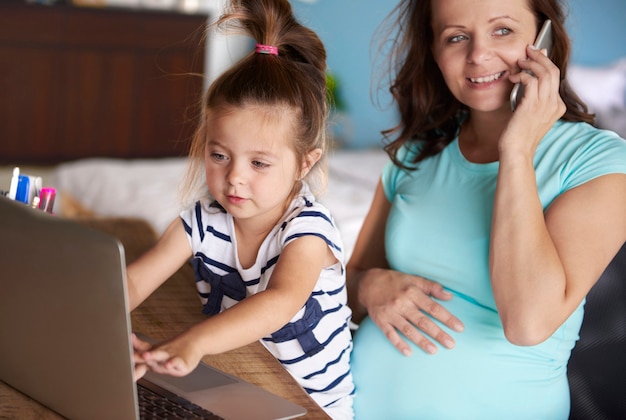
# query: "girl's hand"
177, 357
139, 347
398, 303
540, 107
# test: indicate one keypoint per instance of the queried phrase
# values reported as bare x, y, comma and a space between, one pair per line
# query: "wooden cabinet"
83, 82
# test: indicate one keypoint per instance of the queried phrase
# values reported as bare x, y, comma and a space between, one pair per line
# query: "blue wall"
598, 30
346, 26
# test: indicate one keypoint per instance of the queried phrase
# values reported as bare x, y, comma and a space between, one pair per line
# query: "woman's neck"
479, 136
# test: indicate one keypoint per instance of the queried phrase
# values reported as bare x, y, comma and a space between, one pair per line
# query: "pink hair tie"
266, 49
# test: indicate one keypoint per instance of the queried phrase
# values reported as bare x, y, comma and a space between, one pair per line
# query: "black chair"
597, 367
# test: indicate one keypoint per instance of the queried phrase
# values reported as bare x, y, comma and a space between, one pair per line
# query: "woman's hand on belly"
399, 303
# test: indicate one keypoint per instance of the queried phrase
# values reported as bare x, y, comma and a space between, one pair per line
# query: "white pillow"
601, 88
144, 188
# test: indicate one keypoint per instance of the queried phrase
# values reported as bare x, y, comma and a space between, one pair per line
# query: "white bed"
603, 89
147, 188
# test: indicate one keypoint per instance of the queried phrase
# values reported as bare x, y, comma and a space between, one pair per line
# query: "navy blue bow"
229, 284
302, 329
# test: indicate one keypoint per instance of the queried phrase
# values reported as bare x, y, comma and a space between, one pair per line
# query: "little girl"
267, 257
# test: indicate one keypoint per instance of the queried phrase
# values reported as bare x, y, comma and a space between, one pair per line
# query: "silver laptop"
65, 327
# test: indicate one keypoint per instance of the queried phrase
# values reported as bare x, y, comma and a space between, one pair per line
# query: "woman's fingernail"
449, 343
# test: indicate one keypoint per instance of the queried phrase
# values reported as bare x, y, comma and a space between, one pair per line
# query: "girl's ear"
310, 159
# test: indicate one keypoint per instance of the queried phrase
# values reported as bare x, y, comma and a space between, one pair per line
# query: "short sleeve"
392, 174
602, 154
314, 220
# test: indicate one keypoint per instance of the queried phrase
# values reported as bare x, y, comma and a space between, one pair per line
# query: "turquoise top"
439, 228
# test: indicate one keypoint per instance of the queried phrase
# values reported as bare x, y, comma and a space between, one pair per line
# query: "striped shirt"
315, 345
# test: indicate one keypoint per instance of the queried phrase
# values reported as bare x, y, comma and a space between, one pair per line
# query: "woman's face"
477, 44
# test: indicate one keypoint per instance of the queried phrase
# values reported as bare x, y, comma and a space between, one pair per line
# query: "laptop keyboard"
158, 403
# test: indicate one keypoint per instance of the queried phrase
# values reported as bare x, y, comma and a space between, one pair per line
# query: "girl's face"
250, 165
477, 44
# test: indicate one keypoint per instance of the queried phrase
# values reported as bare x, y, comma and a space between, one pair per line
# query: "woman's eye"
503, 31
456, 39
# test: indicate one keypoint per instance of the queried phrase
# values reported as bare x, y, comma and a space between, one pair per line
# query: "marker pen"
46, 199
14, 182
36, 183
23, 189
27, 188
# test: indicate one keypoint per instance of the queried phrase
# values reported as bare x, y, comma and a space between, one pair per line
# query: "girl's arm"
293, 279
543, 265
395, 301
160, 262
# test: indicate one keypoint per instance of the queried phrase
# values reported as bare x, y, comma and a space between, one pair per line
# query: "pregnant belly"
484, 376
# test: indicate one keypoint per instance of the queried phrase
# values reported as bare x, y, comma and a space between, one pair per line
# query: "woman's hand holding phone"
541, 107
542, 42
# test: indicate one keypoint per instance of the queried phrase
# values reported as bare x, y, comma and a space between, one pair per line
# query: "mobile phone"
543, 41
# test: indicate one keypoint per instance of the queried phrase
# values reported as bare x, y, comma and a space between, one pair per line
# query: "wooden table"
168, 311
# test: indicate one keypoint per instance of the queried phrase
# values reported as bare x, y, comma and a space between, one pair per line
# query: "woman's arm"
293, 279
542, 265
395, 301
154, 267
368, 253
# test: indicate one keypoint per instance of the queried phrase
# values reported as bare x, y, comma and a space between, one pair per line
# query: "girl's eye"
259, 165
218, 156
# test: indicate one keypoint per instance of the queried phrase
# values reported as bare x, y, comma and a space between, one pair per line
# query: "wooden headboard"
80, 82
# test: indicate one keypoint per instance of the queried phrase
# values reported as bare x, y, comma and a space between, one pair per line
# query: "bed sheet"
148, 188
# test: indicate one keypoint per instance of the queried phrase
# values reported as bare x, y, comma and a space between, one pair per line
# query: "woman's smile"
486, 79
